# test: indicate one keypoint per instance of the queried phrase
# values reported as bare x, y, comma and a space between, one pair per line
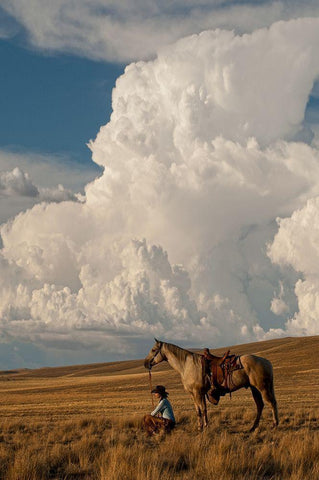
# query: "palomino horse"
257, 374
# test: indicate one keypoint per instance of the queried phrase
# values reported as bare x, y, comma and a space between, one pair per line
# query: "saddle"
220, 369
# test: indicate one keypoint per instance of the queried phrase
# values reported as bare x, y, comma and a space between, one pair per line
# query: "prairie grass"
97, 448
86, 426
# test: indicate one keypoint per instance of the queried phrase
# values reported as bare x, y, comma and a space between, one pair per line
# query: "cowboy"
162, 418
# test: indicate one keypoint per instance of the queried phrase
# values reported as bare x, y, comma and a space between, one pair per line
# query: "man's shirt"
165, 409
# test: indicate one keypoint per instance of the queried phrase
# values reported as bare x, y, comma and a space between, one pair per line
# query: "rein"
151, 386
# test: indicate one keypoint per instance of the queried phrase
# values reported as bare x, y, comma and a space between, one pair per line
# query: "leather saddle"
219, 370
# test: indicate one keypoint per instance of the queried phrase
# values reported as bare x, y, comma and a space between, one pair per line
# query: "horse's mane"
179, 352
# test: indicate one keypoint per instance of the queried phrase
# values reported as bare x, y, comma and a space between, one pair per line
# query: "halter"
157, 352
150, 374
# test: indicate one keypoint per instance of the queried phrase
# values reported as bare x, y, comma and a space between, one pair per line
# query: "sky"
159, 176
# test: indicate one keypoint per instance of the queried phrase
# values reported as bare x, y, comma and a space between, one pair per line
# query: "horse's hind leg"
269, 397
259, 404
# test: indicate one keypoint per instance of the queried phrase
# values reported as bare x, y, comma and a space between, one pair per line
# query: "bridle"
150, 368
156, 353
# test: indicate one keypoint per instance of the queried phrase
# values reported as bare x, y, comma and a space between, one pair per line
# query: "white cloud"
297, 244
8, 26
18, 193
278, 305
199, 159
46, 170
27, 178
125, 31
17, 182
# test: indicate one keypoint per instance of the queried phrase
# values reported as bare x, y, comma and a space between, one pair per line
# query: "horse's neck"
174, 360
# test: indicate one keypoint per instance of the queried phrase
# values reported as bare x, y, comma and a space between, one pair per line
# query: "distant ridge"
289, 350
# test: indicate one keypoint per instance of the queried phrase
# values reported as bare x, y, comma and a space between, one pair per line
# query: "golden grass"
84, 423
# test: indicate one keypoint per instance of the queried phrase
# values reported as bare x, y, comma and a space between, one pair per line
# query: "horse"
256, 374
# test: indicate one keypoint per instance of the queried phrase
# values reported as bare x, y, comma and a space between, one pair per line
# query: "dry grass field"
83, 422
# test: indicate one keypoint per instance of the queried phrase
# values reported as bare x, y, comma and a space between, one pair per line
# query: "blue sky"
53, 104
95, 278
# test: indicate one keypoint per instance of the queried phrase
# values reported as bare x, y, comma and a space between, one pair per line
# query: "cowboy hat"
161, 390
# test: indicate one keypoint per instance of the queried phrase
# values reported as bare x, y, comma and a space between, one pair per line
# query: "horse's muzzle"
148, 364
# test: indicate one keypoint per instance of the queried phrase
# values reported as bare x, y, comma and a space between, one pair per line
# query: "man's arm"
158, 409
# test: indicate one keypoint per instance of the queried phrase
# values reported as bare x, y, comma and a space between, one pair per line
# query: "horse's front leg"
199, 417
204, 409
201, 410
198, 411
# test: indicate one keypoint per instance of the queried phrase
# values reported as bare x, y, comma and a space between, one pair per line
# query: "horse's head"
155, 355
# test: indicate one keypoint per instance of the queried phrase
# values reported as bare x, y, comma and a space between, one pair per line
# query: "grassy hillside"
278, 350
83, 422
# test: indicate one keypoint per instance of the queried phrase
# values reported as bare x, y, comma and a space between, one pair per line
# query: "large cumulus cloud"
206, 146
